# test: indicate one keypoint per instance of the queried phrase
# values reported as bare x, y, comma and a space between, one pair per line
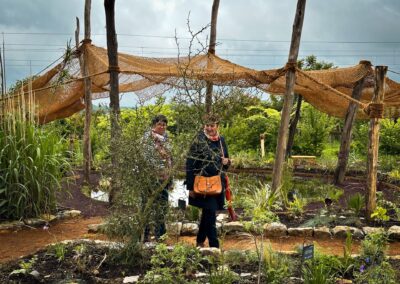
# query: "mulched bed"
72, 197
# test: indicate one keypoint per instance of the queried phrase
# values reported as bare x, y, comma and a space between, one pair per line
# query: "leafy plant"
316, 272
356, 202
276, 267
59, 250
380, 214
373, 248
297, 206
376, 274
171, 266
192, 213
221, 274
32, 162
25, 266
334, 193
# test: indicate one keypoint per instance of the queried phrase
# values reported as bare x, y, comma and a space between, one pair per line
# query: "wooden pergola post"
288, 98
87, 152
345, 139
211, 50
375, 114
112, 51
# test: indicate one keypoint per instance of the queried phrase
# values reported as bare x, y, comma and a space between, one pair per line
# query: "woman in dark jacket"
208, 156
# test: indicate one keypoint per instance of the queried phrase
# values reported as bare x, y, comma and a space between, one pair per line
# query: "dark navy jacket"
205, 158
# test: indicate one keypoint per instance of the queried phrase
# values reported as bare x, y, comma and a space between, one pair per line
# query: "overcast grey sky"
253, 33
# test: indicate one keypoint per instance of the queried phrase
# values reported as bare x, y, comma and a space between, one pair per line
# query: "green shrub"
313, 131
389, 141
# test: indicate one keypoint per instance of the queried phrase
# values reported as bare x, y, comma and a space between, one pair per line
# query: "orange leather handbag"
207, 186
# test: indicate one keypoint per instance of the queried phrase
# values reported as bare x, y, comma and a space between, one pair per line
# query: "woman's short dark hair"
211, 118
159, 118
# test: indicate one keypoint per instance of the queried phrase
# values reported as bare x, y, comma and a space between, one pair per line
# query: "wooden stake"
83, 61
112, 50
262, 144
211, 50
345, 139
373, 143
288, 99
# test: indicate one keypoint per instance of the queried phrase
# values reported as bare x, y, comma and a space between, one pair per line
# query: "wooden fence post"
288, 99
375, 113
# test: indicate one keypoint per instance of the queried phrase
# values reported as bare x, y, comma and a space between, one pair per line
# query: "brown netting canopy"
59, 92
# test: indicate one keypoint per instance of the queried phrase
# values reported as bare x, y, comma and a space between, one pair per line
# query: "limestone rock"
372, 230
301, 232
131, 279
34, 222
69, 214
96, 228
174, 228
341, 232
233, 227
322, 233
210, 252
189, 229
222, 217
13, 225
275, 229
394, 233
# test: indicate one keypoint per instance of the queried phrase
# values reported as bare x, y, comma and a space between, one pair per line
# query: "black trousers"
208, 228
158, 216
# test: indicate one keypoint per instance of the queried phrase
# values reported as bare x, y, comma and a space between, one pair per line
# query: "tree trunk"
373, 144
112, 48
293, 126
345, 139
288, 99
211, 50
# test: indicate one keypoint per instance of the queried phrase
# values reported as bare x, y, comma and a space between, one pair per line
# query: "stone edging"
43, 221
275, 229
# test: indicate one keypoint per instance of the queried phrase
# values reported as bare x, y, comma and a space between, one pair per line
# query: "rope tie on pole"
86, 41
113, 68
374, 110
292, 66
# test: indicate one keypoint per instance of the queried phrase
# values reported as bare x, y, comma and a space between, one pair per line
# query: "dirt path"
27, 241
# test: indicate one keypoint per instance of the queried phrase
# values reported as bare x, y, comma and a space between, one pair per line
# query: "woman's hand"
225, 161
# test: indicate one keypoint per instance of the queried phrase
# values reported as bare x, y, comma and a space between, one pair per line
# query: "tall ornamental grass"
31, 162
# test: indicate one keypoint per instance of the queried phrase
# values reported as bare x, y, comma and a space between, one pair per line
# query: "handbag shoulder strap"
222, 148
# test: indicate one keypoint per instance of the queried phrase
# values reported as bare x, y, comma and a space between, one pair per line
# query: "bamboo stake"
373, 143
288, 98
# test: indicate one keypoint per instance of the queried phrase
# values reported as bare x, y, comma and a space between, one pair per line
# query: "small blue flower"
362, 268
367, 260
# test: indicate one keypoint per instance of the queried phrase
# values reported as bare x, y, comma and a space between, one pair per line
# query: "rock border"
43, 221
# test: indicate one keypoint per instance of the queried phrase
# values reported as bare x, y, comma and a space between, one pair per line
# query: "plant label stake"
308, 252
